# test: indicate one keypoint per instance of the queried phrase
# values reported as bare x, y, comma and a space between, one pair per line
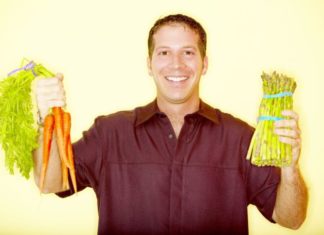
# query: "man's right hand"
49, 93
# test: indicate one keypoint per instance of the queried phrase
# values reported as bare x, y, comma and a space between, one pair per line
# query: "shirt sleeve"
261, 182
87, 153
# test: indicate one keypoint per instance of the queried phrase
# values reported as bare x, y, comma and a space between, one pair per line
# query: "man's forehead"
176, 32
172, 25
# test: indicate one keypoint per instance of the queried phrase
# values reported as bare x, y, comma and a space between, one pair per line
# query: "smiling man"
176, 165
176, 62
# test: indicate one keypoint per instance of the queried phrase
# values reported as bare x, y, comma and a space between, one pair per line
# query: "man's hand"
289, 133
49, 93
292, 197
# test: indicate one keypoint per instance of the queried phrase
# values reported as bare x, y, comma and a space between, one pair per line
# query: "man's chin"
177, 100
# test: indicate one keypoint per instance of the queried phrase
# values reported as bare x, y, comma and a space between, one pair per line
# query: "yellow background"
100, 46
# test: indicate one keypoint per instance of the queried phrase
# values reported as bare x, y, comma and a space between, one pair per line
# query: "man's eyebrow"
190, 47
162, 47
184, 47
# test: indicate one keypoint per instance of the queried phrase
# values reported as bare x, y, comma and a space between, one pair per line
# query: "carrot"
66, 120
65, 176
58, 115
72, 169
66, 129
47, 140
68, 146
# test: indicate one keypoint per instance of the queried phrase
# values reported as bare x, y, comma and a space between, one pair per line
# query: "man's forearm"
292, 198
53, 178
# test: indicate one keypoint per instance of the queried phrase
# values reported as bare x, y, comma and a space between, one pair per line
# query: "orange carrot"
66, 120
47, 140
72, 169
65, 176
68, 146
66, 129
58, 115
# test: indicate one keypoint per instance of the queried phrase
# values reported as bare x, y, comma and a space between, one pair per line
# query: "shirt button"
170, 136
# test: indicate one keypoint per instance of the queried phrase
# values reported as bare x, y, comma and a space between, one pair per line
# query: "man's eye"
189, 53
163, 53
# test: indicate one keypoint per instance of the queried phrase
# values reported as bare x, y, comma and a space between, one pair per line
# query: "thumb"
59, 76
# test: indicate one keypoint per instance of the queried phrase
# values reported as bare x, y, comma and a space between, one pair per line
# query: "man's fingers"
290, 113
59, 76
287, 132
288, 140
46, 90
50, 93
287, 123
44, 106
56, 103
291, 141
44, 82
290, 122
58, 95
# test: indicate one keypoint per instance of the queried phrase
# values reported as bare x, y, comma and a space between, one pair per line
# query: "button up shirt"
148, 181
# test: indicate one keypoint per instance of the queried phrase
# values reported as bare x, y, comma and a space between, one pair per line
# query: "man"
176, 165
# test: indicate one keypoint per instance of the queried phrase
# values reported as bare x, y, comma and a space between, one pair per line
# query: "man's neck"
177, 111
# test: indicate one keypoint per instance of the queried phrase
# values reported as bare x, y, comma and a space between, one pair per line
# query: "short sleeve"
87, 153
261, 182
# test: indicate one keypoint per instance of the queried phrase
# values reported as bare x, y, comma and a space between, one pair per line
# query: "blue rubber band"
269, 118
29, 66
278, 95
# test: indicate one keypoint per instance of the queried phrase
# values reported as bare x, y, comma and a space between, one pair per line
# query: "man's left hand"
289, 133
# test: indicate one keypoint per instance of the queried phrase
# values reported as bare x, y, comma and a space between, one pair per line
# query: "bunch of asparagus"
265, 148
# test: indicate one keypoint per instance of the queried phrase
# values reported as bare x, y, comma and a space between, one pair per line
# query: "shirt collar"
145, 113
208, 112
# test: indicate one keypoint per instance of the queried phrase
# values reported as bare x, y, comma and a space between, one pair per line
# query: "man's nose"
177, 61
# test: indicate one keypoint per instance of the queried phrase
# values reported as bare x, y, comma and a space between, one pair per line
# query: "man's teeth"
176, 79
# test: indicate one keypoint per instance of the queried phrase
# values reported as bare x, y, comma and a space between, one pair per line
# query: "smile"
176, 79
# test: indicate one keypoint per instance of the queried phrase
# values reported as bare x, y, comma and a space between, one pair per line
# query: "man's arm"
292, 196
49, 93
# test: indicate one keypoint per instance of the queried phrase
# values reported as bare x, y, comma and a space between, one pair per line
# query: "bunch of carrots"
18, 132
60, 122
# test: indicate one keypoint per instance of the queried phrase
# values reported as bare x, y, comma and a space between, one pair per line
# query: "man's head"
182, 20
177, 59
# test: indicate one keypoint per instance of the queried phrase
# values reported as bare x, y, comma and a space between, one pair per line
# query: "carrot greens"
18, 132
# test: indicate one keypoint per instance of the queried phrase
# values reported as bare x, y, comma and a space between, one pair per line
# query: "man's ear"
149, 67
205, 65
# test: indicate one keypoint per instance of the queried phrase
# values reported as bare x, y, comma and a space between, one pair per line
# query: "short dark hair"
179, 19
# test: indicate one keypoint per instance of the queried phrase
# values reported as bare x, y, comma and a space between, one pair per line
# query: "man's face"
176, 64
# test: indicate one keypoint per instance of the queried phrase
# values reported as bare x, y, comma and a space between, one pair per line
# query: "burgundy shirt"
147, 181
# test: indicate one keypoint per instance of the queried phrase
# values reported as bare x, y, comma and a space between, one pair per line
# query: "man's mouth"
176, 78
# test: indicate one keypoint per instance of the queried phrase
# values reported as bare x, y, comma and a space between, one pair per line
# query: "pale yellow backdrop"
100, 46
